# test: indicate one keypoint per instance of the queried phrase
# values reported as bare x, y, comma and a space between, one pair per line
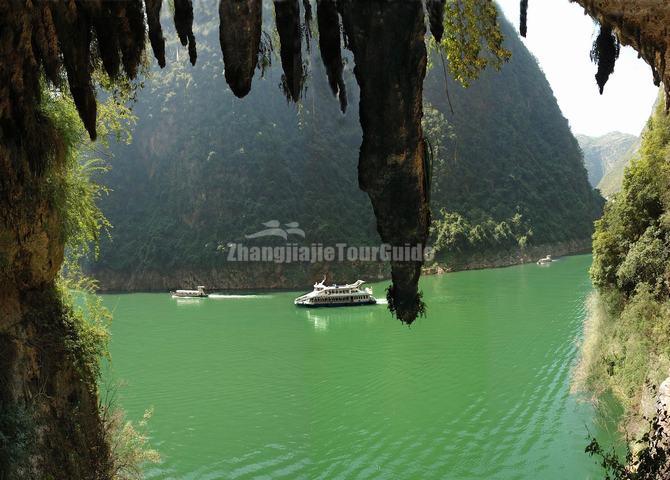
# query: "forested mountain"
205, 169
512, 175
606, 157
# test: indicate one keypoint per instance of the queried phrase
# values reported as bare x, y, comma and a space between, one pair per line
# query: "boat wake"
223, 297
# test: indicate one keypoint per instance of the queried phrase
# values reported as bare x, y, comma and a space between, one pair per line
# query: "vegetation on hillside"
627, 344
206, 169
613, 179
631, 265
505, 162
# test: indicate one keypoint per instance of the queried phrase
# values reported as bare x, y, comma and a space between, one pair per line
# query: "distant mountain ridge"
605, 158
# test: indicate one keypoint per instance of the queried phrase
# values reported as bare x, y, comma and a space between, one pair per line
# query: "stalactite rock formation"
641, 24
155, 30
183, 22
387, 39
329, 44
240, 37
436, 17
287, 13
523, 18
605, 52
67, 36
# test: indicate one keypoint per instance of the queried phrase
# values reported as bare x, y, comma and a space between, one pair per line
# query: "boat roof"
356, 284
187, 290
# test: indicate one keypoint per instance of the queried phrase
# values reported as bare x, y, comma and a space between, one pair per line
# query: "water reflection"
250, 296
323, 318
189, 302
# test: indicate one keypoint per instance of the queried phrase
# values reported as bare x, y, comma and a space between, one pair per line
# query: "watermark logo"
317, 252
273, 229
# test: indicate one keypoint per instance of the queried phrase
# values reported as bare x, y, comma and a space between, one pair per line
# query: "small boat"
545, 261
199, 293
336, 295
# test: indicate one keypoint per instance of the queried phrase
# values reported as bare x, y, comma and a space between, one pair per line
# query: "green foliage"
130, 450
472, 39
632, 235
75, 195
17, 437
647, 460
84, 331
493, 162
74, 191
628, 343
455, 237
87, 330
645, 263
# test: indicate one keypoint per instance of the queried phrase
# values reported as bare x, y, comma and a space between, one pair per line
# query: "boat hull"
341, 304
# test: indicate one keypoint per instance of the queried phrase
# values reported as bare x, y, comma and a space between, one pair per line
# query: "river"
252, 387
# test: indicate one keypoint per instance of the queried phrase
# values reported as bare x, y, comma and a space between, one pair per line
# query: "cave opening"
66, 43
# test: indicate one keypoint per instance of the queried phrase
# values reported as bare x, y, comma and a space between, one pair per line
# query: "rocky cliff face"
48, 402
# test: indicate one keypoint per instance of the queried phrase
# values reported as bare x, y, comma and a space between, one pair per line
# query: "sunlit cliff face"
67, 41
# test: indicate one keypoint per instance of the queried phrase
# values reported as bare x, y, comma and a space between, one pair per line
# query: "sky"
560, 36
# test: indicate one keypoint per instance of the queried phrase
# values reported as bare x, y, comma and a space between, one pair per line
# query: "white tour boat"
199, 293
336, 295
545, 261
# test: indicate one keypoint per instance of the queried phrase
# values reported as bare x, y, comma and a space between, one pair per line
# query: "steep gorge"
64, 40
181, 195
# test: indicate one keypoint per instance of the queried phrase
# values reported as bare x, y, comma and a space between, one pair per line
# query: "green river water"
253, 387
